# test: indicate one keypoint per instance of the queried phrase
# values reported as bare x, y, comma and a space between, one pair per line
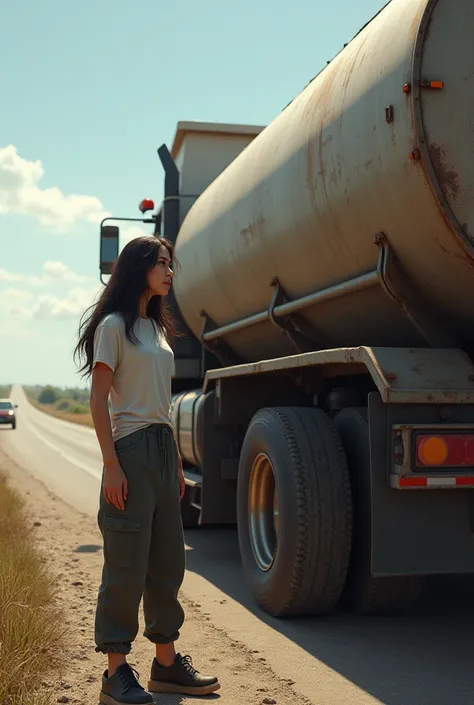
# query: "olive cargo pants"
143, 545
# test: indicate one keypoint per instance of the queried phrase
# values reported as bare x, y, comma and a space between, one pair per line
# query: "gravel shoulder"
71, 543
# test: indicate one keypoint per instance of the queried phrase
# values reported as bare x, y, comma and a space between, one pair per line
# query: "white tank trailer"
327, 285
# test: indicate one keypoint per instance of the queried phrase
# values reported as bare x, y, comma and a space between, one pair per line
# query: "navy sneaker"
123, 688
181, 678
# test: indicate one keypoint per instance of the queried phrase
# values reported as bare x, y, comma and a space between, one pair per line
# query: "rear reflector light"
450, 450
408, 482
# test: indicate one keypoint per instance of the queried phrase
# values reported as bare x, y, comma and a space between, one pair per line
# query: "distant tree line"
71, 399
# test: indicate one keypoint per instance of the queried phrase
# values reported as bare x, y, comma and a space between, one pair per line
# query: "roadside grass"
70, 404
32, 637
5, 390
81, 416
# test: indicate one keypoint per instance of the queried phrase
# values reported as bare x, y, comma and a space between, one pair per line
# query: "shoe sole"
105, 699
162, 687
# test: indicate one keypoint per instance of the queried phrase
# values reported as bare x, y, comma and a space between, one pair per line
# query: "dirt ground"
72, 544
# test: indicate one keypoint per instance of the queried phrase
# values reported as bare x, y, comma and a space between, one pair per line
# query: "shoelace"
188, 664
129, 677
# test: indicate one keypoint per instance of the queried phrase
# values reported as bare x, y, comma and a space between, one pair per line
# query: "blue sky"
89, 91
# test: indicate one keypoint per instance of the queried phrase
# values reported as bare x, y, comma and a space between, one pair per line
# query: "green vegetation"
5, 390
70, 404
32, 635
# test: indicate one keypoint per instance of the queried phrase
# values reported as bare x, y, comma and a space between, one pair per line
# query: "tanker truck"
324, 385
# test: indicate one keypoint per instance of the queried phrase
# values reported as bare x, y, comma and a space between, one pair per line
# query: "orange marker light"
433, 450
436, 85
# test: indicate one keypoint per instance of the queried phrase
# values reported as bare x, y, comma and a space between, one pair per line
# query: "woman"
125, 346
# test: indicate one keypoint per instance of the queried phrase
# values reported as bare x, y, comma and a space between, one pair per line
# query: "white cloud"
18, 302
59, 270
15, 302
20, 193
72, 306
11, 277
51, 272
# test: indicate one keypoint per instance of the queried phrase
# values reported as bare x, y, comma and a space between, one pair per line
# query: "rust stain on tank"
461, 253
310, 173
412, 39
319, 103
447, 177
350, 66
415, 25
253, 229
320, 92
455, 230
448, 183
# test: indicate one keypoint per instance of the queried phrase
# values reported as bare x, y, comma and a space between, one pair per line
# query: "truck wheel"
365, 594
294, 511
13, 425
189, 514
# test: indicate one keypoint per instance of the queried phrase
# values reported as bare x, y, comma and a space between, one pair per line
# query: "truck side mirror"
109, 246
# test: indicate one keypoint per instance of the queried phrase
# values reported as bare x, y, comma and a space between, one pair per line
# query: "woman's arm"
115, 482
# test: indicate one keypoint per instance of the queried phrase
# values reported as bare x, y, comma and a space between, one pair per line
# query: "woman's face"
159, 277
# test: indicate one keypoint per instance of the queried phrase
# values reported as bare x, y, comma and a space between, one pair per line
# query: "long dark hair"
122, 295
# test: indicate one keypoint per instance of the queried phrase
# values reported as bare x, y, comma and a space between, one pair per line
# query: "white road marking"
57, 449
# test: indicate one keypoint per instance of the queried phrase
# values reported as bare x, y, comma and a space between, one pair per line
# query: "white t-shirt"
140, 394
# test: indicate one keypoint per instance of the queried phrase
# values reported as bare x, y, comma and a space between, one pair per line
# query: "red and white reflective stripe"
422, 481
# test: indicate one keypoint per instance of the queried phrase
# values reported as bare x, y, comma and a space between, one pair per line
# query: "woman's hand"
115, 484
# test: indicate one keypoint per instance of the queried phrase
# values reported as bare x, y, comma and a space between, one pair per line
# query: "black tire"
189, 514
13, 425
365, 594
311, 555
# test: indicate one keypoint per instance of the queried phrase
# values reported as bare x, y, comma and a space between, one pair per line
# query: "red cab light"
146, 205
450, 450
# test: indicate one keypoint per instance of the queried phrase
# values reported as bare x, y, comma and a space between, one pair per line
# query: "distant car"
7, 413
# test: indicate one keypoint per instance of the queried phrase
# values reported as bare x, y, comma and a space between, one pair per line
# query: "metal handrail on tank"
389, 275
360, 283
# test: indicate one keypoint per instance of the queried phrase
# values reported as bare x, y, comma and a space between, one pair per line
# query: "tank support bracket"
300, 333
394, 282
217, 346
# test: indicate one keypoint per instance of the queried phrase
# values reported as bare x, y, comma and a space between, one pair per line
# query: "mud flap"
218, 493
422, 532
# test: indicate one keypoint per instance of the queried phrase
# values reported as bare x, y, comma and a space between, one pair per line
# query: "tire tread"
323, 512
